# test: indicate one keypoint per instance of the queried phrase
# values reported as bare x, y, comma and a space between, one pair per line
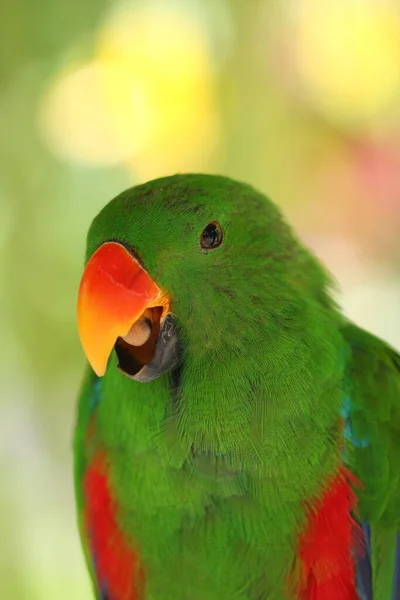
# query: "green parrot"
237, 437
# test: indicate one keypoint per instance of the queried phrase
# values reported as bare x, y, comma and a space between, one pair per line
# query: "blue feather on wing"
363, 563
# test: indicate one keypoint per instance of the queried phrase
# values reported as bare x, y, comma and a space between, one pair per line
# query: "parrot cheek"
162, 347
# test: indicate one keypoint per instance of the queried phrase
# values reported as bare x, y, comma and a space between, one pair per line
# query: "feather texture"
330, 543
373, 453
227, 475
115, 563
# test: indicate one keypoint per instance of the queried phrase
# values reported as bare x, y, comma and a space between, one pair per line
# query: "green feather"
211, 487
81, 458
374, 371
383, 553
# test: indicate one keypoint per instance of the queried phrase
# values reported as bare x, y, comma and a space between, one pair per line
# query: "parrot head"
190, 265
196, 284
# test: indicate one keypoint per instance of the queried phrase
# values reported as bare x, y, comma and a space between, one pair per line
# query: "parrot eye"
211, 236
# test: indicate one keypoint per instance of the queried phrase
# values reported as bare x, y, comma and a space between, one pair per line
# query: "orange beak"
114, 292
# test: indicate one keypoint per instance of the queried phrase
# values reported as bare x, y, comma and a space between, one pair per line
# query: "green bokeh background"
333, 167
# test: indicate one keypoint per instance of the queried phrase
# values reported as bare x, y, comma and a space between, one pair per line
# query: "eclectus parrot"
237, 437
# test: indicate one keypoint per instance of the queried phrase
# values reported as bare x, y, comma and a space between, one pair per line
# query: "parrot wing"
372, 432
114, 567
87, 400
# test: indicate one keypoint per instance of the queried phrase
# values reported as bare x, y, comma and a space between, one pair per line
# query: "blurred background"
300, 98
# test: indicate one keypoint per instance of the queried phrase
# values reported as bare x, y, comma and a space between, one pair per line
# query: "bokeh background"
301, 98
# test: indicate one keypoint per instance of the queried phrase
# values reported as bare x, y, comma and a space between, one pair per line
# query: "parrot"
237, 437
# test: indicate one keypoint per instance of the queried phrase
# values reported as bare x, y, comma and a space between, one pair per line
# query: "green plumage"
211, 478
373, 372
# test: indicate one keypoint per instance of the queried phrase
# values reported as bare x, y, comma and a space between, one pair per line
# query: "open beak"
120, 305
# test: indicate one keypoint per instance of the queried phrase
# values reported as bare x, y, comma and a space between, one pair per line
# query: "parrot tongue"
140, 331
159, 352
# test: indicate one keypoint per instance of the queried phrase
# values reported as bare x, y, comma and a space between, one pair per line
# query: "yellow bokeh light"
75, 120
146, 98
348, 56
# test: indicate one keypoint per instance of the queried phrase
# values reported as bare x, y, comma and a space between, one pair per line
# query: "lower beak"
114, 294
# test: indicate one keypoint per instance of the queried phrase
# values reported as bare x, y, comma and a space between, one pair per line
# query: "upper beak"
114, 292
